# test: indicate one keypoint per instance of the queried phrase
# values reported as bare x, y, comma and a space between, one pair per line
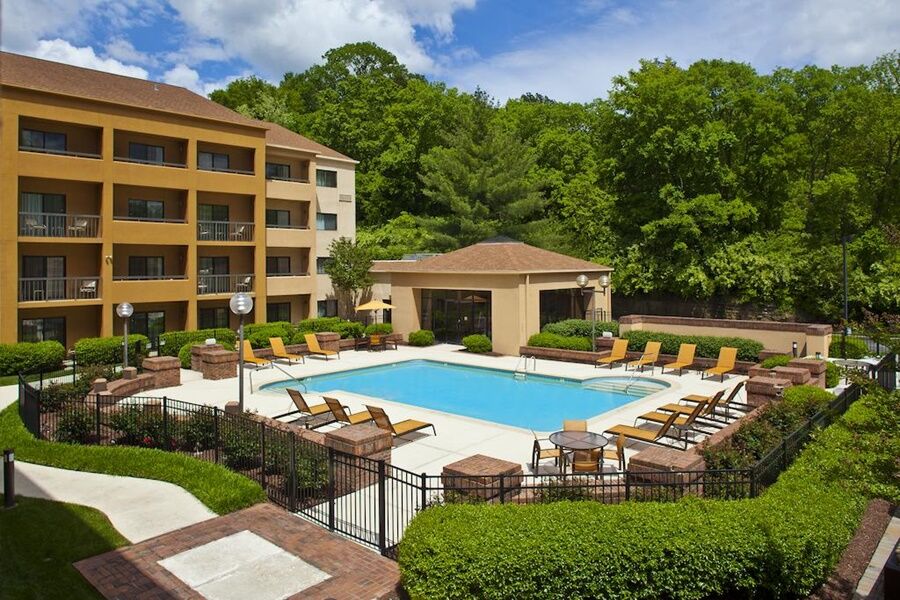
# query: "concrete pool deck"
457, 436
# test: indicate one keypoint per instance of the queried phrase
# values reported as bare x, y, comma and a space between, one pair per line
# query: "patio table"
579, 440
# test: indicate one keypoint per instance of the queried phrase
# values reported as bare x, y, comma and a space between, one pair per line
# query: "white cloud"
121, 49
184, 76
26, 21
62, 51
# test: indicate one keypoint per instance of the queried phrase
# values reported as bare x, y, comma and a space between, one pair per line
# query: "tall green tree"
348, 267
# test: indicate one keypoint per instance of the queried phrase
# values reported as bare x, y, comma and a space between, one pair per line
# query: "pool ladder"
522, 366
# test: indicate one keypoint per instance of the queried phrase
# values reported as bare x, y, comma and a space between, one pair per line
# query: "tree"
348, 267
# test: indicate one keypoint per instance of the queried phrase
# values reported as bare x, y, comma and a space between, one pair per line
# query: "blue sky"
567, 50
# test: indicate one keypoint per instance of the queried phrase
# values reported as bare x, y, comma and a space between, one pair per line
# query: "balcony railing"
58, 225
141, 161
38, 289
149, 277
299, 274
273, 226
147, 219
59, 152
224, 231
289, 179
224, 170
224, 284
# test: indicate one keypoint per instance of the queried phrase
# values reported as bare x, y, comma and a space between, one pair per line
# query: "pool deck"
457, 436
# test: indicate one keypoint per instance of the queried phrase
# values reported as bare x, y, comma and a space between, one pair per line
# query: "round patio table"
579, 440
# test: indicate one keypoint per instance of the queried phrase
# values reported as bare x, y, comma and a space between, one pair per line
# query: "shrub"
75, 426
832, 375
198, 431
27, 357
138, 427
350, 329
707, 346
422, 337
240, 445
260, 333
553, 340
580, 328
781, 360
184, 355
87, 374
318, 325
108, 350
175, 340
477, 343
782, 544
55, 395
856, 348
379, 329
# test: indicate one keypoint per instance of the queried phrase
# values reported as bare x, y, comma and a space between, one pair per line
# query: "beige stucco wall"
328, 200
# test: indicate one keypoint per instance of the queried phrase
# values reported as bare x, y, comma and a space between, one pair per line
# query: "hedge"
422, 337
707, 346
28, 357
856, 348
108, 350
779, 360
175, 340
580, 328
319, 324
832, 375
477, 343
552, 340
782, 544
259, 333
379, 329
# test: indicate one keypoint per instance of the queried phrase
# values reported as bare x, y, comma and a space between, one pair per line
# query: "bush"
86, 376
198, 431
184, 355
580, 328
422, 337
553, 340
240, 445
707, 346
175, 340
75, 426
259, 333
856, 348
379, 329
780, 360
27, 357
138, 427
318, 325
350, 329
832, 375
477, 343
782, 544
108, 350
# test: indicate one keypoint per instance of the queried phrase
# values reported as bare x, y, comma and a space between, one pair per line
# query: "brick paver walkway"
355, 572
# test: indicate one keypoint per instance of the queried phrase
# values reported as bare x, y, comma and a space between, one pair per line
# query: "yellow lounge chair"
342, 416
303, 408
725, 364
312, 342
647, 436
728, 404
617, 354
649, 357
278, 351
684, 420
397, 429
249, 357
710, 402
684, 359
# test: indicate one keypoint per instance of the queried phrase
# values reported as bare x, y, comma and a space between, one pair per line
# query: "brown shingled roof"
281, 136
503, 256
44, 75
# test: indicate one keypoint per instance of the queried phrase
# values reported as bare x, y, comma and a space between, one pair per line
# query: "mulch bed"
858, 553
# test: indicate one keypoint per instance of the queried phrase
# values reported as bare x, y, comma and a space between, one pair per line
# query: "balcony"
224, 231
46, 289
221, 158
41, 150
58, 225
289, 284
224, 284
59, 138
147, 161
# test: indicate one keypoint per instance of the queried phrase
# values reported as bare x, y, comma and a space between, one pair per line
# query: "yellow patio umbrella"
375, 305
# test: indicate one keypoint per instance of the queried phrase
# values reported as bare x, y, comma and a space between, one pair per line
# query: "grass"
14, 379
215, 486
40, 541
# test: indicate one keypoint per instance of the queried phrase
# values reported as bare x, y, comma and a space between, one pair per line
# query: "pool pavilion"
500, 287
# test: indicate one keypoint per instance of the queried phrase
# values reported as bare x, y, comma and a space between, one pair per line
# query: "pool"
535, 402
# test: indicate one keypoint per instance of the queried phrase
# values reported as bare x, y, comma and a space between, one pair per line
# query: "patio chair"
78, 227
312, 343
342, 416
710, 404
684, 359
586, 461
238, 233
249, 357
539, 453
302, 407
88, 289
725, 364
244, 286
649, 357
647, 436
278, 351
34, 226
618, 454
397, 429
683, 423
574, 425
728, 405
616, 355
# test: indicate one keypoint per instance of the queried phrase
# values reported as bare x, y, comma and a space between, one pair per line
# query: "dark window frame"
323, 225
327, 307
274, 307
137, 202
204, 321
141, 151
43, 137
277, 212
43, 328
278, 171
214, 160
135, 264
281, 264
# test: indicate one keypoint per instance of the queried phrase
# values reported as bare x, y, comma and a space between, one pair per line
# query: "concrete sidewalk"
138, 508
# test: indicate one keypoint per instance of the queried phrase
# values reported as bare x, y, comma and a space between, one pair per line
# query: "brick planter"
329, 340
479, 476
165, 369
763, 390
219, 364
364, 443
816, 368
197, 352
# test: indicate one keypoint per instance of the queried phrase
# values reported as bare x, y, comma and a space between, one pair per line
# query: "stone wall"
159, 372
741, 367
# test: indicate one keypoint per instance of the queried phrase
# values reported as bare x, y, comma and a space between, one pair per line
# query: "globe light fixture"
125, 310
241, 304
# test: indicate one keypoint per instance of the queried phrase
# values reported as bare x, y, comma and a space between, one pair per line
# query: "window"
278, 311
326, 178
278, 265
213, 265
35, 202
212, 212
278, 171
151, 324
44, 330
150, 210
213, 318
327, 308
43, 140
146, 153
212, 161
321, 261
146, 267
278, 218
326, 221
44, 278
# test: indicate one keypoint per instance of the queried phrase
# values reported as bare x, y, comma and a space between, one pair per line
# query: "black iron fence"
369, 500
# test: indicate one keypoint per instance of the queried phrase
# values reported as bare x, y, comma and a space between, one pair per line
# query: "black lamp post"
125, 310
241, 304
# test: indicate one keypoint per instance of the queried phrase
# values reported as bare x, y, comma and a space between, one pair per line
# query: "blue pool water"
537, 402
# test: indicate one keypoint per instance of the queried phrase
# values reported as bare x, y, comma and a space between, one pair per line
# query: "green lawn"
218, 488
39, 542
14, 379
